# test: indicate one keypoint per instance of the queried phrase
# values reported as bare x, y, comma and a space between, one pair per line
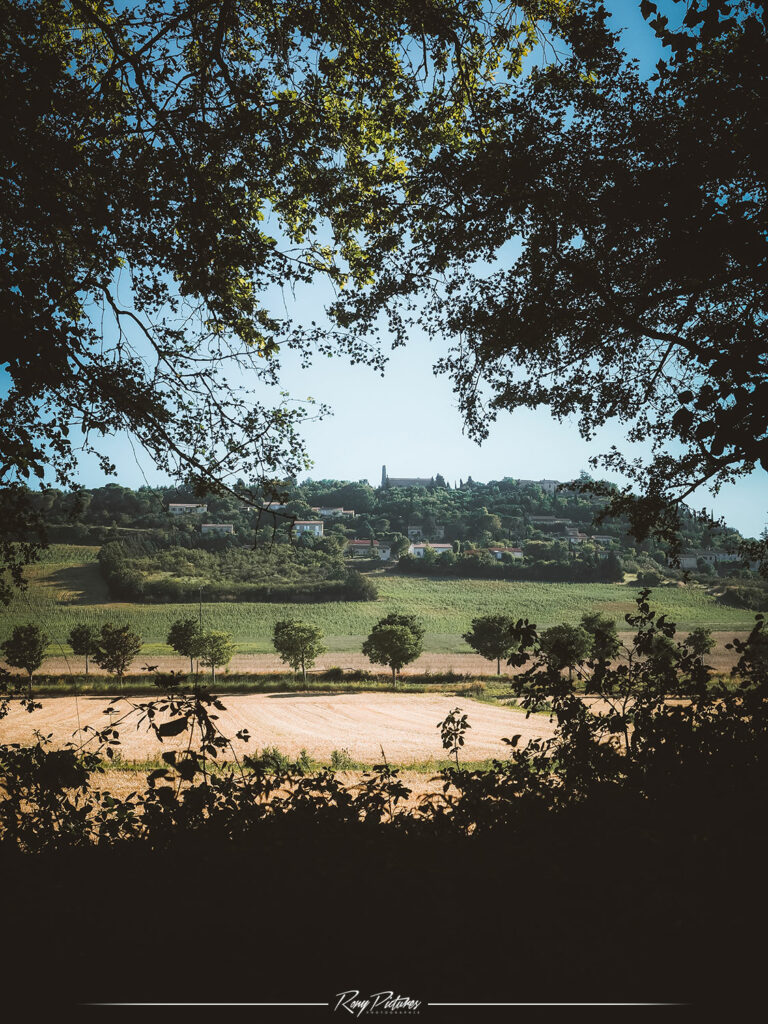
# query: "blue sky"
409, 419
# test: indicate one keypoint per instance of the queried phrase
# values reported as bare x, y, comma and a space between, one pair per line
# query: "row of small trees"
395, 641
500, 637
114, 647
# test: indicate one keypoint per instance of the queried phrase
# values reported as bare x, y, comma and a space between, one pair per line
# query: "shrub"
341, 760
272, 760
473, 688
333, 674
754, 597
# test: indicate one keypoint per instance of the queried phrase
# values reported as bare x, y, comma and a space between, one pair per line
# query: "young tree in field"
663, 654
394, 646
118, 646
603, 638
565, 646
409, 621
602, 642
216, 649
25, 649
298, 644
185, 637
83, 640
493, 637
700, 641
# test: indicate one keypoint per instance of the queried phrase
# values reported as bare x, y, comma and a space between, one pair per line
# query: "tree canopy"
493, 637
634, 209
25, 648
167, 164
299, 644
118, 646
169, 167
216, 648
393, 645
185, 637
84, 640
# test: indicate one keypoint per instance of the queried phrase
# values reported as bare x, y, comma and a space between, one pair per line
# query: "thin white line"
428, 1004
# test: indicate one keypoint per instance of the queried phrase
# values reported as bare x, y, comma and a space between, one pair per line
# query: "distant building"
362, 547
369, 549
418, 550
549, 521
499, 552
314, 527
548, 486
414, 533
690, 560
273, 506
405, 481
334, 513
576, 537
218, 529
176, 508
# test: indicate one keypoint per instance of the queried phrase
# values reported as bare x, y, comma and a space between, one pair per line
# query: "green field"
67, 588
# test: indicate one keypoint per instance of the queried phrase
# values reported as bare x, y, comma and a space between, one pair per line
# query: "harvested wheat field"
404, 725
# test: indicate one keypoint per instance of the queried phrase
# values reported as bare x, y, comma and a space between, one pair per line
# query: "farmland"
67, 588
358, 723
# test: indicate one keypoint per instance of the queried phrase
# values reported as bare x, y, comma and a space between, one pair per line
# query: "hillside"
302, 542
66, 589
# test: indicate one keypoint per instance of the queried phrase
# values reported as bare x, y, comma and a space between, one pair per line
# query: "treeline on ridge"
479, 564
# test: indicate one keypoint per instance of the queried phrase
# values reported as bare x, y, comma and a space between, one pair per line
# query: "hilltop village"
327, 539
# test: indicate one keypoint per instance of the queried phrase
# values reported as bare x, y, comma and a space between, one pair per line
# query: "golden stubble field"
404, 726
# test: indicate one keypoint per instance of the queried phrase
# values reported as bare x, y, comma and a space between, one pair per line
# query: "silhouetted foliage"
117, 647
25, 648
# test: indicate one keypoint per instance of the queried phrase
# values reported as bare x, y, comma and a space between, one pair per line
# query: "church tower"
383, 476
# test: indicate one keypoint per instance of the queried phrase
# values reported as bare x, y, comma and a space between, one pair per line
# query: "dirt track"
405, 725
720, 659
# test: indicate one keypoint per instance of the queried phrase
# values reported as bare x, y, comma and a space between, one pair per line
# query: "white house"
548, 486
369, 549
176, 508
498, 552
418, 550
363, 547
219, 529
691, 559
576, 536
549, 521
334, 513
314, 527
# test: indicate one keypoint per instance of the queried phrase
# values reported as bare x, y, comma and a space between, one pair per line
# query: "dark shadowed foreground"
621, 860
598, 906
